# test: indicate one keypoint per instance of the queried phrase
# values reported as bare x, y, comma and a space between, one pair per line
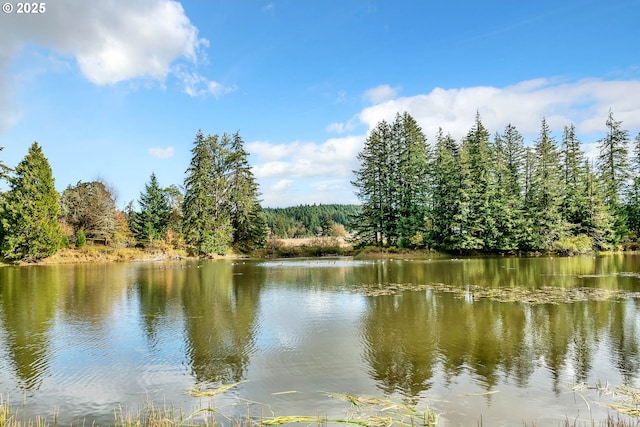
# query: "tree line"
497, 194
218, 208
310, 220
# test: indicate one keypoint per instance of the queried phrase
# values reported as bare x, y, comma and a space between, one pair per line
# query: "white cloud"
339, 128
324, 170
161, 153
111, 42
197, 85
381, 93
335, 157
336, 127
585, 103
282, 185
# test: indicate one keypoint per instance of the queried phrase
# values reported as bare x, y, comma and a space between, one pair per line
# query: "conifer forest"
496, 194
484, 194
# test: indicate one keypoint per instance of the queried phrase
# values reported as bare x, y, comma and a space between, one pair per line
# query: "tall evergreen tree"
613, 161
372, 182
544, 204
479, 228
247, 219
507, 205
596, 220
151, 222
613, 165
411, 177
573, 176
633, 197
221, 204
199, 207
29, 220
445, 206
392, 183
527, 233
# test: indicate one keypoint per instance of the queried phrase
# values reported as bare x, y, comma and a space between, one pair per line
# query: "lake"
80, 341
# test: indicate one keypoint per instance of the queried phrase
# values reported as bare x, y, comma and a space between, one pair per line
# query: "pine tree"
392, 183
613, 165
151, 222
445, 207
247, 219
598, 221
411, 178
198, 221
544, 204
29, 223
478, 225
573, 175
207, 220
507, 205
633, 197
528, 233
326, 223
371, 182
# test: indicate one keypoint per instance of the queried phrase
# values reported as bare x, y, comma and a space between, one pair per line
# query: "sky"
117, 90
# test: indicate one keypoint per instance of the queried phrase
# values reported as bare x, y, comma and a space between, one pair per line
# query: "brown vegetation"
101, 253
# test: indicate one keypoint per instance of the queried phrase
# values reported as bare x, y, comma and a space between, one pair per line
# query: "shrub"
81, 239
579, 244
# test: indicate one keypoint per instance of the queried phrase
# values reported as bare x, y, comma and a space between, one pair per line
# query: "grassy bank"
98, 253
305, 247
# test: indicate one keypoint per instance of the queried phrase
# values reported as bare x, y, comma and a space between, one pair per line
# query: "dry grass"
98, 253
365, 411
316, 241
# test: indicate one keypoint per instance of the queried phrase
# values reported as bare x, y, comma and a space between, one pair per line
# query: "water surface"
82, 340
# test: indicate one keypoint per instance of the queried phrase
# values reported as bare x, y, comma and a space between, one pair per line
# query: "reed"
363, 411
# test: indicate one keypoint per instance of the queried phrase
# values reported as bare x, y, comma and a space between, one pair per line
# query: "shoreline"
91, 254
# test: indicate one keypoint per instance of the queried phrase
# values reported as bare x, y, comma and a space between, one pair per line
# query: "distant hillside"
307, 220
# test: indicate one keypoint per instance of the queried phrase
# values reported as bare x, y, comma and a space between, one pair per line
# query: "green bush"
579, 244
81, 239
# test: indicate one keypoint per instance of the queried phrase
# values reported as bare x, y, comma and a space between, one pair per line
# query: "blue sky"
118, 89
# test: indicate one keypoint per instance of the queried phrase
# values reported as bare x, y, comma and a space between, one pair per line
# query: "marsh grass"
364, 411
309, 247
198, 392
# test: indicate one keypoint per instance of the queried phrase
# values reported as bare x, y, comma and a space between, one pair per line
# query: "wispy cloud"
268, 8
381, 93
162, 153
197, 85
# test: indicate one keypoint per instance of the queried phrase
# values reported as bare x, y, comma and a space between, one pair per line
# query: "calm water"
83, 340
